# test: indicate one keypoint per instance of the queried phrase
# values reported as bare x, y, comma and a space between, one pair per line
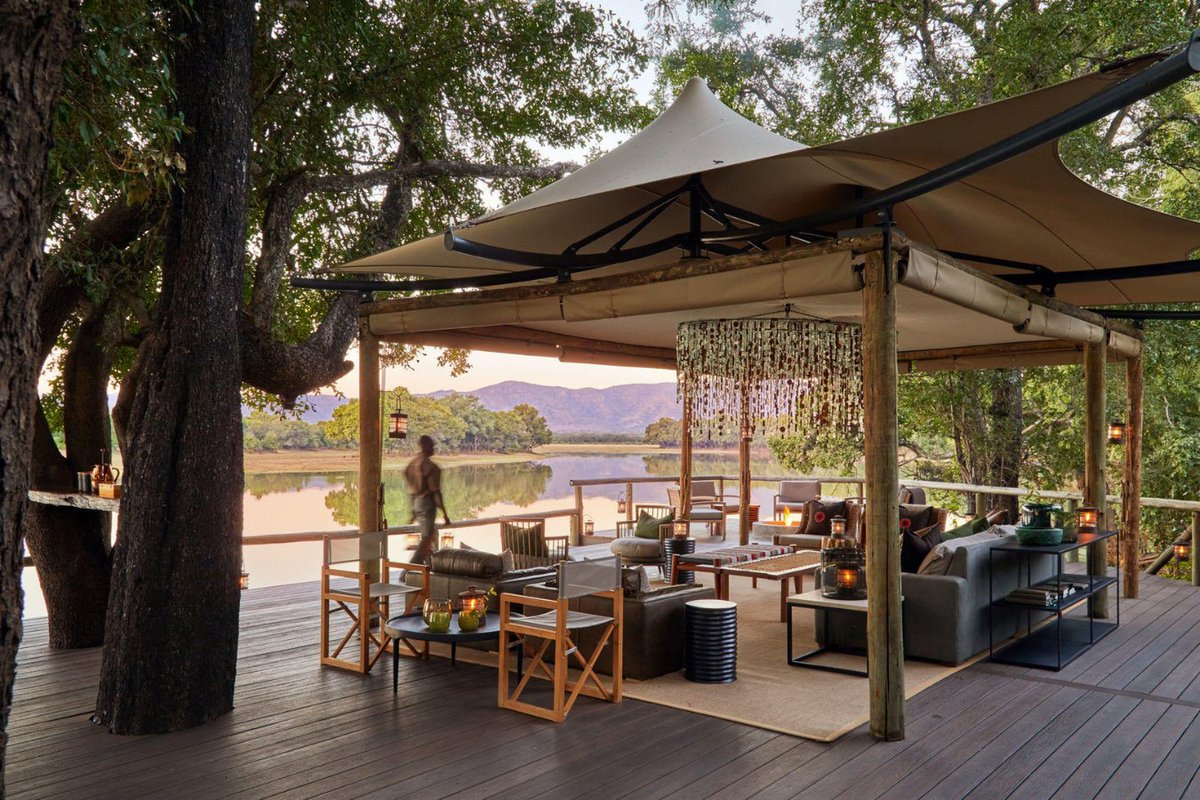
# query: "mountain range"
627, 408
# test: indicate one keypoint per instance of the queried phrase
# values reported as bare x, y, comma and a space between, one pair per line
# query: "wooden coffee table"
787, 568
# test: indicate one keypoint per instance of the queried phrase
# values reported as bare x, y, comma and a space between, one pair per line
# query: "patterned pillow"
820, 512
914, 517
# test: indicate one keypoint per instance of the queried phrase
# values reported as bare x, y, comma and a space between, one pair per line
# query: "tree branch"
434, 169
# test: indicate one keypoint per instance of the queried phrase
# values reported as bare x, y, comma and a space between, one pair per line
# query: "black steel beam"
1110, 273
1143, 315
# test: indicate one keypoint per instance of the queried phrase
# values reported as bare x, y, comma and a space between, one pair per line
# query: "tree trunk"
35, 36
170, 652
1007, 421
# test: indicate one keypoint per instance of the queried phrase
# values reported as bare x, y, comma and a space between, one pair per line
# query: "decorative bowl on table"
1041, 537
437, 614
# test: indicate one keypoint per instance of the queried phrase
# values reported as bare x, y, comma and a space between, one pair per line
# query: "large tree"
35, 37
170, 649
371, 124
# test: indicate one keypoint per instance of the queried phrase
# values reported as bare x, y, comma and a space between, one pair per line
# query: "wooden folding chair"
367, 602
526, 538
600, 577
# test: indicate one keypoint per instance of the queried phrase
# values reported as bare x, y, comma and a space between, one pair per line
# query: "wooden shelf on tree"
89, 502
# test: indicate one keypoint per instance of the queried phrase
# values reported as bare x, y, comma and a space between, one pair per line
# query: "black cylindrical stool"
679, 547
710, 647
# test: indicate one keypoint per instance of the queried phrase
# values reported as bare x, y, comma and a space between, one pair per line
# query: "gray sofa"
946, 616
452, 570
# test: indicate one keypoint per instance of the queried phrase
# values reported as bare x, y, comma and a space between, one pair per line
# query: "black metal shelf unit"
1061, 640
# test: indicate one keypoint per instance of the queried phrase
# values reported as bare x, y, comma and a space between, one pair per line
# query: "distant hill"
618, 409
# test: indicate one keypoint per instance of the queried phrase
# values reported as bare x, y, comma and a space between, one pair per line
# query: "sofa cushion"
468, 563
937, 561
917, 517
635, 581
633, 547
915, 545
971, 526
648, 524
799, 491
820, 512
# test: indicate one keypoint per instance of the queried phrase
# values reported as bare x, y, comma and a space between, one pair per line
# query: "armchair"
709, 511
794, 496
633, 549
531, 547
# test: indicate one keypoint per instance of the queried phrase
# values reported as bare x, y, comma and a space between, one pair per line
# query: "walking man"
424, 479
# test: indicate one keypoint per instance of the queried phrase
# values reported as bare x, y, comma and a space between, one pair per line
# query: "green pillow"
968, 528
647, 524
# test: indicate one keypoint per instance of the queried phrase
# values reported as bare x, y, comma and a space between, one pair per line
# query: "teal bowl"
1042, 537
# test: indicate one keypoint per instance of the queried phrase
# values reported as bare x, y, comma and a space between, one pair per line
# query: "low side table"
815, 600
673, 546
710, 630
412, 626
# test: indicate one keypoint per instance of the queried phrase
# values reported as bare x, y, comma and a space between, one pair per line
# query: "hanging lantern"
589, 526
399, 427
447, 540
1089, 518
1116, 432
243, 579
786, 375
1183, 551
621, 504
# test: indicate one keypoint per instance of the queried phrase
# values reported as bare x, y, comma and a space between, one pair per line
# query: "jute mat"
768, 693
771, 694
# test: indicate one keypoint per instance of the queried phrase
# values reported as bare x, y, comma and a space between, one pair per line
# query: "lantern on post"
243, 579
1089, 518
1116, 432
621, 504
1183, 551
589, 526
447, 540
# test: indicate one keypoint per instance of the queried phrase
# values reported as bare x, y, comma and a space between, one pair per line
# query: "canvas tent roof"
1030, 208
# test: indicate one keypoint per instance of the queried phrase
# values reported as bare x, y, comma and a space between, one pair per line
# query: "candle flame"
787, 516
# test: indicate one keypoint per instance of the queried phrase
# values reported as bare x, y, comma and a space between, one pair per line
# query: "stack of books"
1041, 595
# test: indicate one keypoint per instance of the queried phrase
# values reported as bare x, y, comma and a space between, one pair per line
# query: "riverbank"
347, 460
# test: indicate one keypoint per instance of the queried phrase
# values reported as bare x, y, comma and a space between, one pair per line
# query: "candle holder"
447, 540
1183, 551
589, 526
1116, 432
843, 573
680, 528
1089, 519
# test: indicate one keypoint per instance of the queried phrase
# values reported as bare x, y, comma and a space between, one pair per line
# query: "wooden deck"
1120, 722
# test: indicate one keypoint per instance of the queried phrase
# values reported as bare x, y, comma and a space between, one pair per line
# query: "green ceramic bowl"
1039, 536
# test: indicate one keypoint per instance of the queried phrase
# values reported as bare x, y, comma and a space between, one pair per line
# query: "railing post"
1196, 548
1095, 357
628, 501
577, 520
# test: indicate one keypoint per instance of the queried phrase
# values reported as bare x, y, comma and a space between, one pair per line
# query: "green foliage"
664, 431
457, 423
263, 431
822, 450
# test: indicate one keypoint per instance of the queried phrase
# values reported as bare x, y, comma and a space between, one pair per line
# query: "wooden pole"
685, 458
577, 519
885, 632
1131, 486
628, 501
744, 472
1094, 490
370, 438
1196, 548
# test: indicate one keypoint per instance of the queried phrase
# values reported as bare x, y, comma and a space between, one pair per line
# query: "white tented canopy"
1029, 209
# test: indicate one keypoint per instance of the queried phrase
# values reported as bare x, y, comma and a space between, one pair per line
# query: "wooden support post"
885, 632
1196, 548
577, 519
628, 501
685, 458
980, 504
370, 439
744, 473
1131, 485
1095, 492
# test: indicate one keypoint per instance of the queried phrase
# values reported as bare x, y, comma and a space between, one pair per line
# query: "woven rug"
770, 694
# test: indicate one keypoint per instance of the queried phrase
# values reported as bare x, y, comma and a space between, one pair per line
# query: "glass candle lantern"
1183, 551
472, 608
447, 540
243, 580
679, 528
847, 577
837, 526
621, 503
1089, 518
1116, 432
589, 526
399, 426
412, 540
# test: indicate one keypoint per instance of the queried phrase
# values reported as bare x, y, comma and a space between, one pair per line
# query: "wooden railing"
316, 536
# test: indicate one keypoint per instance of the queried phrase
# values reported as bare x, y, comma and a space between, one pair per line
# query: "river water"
324, 501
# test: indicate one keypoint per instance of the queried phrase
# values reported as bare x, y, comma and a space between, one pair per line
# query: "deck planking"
1122, 721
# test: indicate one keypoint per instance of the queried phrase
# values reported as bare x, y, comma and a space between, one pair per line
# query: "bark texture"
171, 640
35, 36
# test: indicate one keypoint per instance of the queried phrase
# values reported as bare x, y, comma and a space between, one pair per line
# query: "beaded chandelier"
780, 375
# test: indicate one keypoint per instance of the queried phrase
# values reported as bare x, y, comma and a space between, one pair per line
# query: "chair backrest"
911, 495
673, 498
526, 538
364, 547
704, 488
655, 510
581, 578
799, 491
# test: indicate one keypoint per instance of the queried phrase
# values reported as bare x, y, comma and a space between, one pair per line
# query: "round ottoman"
710, 641
634, 550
